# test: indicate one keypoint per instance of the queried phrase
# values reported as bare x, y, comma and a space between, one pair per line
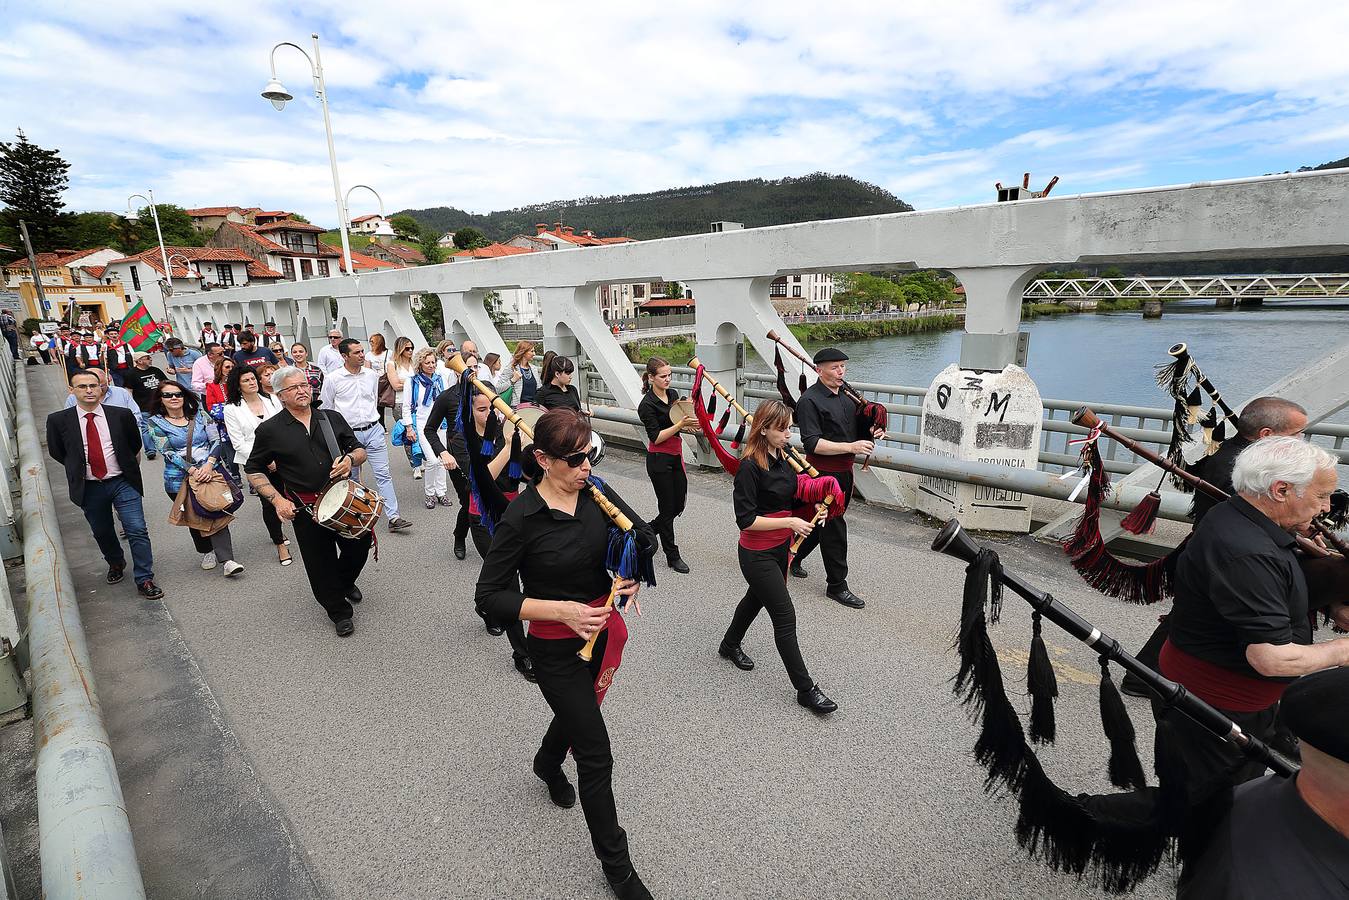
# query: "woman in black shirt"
664, 455
557, 388
554, 538
764, 496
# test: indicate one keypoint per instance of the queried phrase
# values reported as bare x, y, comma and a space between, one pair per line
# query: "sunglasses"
574, 460
171, 396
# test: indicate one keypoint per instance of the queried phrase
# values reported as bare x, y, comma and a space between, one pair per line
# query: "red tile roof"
366, 218
668, 303
258, 272
214, 211
360, 262
406, 254
492, 251
153, 259
95, 271
289, 225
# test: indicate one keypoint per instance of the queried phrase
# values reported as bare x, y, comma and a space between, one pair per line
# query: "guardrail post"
83, 830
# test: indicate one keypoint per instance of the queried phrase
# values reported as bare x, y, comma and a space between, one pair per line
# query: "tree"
427, 243
404, 226
32, 180
87, 230
174, 224
299, 218
429, 318
470, 238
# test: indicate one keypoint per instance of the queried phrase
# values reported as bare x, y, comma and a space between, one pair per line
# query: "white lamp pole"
159, 235
278, 95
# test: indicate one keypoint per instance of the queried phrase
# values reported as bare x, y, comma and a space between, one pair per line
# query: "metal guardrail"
84, 834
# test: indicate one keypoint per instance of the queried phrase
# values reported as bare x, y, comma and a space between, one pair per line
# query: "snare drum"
349, 508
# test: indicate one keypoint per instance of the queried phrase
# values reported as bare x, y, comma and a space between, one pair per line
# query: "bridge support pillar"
571, 311
1225, 302
993, 298
1251, 301
466, 317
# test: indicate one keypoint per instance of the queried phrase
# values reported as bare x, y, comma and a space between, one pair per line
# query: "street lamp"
346, 202
276, 92
163, 253
187, 264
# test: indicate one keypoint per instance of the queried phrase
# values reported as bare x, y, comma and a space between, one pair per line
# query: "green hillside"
685, 210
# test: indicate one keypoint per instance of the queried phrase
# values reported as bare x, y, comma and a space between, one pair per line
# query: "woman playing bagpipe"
766, 492
491, 446
557, 537
665, 455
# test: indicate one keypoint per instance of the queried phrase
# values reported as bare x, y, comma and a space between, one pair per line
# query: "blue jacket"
171, 443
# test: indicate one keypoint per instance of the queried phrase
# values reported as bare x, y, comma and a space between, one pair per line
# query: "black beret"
1313, 708
830, 354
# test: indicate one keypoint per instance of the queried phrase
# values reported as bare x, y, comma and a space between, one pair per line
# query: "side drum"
349, 508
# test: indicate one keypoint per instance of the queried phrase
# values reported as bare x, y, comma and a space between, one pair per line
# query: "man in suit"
99, 445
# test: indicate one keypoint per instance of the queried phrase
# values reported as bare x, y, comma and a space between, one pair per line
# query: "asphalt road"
395, 763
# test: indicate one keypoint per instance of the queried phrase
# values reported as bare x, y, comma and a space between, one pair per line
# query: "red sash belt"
672, 445
837, 462
613, 648
1217, 686
766, 540
306, 497
474, 511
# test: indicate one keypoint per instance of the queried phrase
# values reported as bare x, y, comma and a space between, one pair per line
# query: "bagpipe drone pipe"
821, 496
1116, 843
1327, 572
629, 555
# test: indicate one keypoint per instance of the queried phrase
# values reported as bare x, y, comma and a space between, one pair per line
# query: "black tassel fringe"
1042, 685
1126, 771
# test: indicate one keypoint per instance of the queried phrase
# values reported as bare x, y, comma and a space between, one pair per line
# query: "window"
135, 279
306, 269
224, 274
288, 268
638, 291
323, 268
296, 243
796, 290
778, 288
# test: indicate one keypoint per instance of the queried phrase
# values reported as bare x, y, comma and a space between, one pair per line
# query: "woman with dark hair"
299, 355
213, 403
174, 412
554, 539
557, 390
664, 455
763, 499
246, 408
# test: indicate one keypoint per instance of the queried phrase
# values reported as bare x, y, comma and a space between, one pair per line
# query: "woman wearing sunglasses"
172, 411
554, 537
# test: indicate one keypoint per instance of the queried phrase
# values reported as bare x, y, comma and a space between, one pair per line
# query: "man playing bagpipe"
830, 421
1263, 417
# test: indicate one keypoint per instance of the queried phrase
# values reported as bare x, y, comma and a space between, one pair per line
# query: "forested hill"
686, 210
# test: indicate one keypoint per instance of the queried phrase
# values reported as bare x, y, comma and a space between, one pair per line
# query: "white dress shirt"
241, 425
329, 359
105, 439
353, 395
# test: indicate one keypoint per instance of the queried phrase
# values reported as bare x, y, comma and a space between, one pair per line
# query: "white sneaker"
232, 568
208, 561
417, 473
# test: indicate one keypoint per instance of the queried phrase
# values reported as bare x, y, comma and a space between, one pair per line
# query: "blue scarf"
430, 385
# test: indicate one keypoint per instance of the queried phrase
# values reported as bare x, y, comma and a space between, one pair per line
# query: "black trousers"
515, 631
272, 521
765, 572
671, 484
1209, 760
460, 482
832, 539
568, 685
333, 563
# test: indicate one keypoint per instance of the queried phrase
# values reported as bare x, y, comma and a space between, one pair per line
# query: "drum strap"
328, 437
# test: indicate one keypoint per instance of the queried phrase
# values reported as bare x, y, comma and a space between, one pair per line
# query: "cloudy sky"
493, 105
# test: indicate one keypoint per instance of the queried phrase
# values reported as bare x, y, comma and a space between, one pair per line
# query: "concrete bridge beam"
993, 298
466, 317
572, 324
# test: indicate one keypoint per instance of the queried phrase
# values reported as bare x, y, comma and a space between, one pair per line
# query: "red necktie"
97, 464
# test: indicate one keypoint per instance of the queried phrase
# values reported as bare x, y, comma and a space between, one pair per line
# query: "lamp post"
346, 202
279, 96
187, 264
159, 235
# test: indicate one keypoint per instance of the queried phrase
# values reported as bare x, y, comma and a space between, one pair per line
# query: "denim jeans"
376, 444
100, 498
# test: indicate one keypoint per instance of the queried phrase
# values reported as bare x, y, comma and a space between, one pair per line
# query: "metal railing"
84, 834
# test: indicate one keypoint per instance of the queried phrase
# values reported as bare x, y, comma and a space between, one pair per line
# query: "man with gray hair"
1240, 627
1261, 418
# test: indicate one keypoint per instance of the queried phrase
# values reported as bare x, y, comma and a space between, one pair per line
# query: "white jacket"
241, 424
422, 410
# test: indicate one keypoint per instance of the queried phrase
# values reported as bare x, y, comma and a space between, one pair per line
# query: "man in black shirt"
1288, 837
829, 431
1239, 628
1263, 417
250, 354
293, 445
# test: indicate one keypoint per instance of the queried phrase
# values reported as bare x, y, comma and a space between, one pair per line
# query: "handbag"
399, 436
387, 396
207, 506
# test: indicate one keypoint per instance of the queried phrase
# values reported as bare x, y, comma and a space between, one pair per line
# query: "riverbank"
1123, 304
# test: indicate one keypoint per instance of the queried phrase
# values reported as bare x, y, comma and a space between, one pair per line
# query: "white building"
803, 292
518, 305
287, 247
194, 269
372, 224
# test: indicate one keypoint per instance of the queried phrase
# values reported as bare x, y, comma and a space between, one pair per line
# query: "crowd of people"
544, 528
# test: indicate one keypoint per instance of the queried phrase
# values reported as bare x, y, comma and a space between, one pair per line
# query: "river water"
1110, 357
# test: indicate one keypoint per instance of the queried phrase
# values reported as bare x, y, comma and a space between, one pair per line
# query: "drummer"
306, 457
665, 454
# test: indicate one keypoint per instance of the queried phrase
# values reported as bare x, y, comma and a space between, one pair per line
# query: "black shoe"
149, 590
525, 666
459, 551
847, 598
560, 790
815, 700
495, 629
353, 594
799, 571
678, 565
737, 656
344, 628
116, 572
630, 888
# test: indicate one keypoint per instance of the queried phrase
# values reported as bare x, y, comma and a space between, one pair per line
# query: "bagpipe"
1182, 379
624, 559
811, 487
1327, 571
1119, 843
870, 414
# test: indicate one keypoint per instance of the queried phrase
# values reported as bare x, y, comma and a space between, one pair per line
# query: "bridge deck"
258, 751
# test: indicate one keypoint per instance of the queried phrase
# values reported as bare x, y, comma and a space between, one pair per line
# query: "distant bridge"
1192, 287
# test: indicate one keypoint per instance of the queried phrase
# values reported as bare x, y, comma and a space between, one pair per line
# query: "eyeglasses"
171, 396
302, 386
574, 460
